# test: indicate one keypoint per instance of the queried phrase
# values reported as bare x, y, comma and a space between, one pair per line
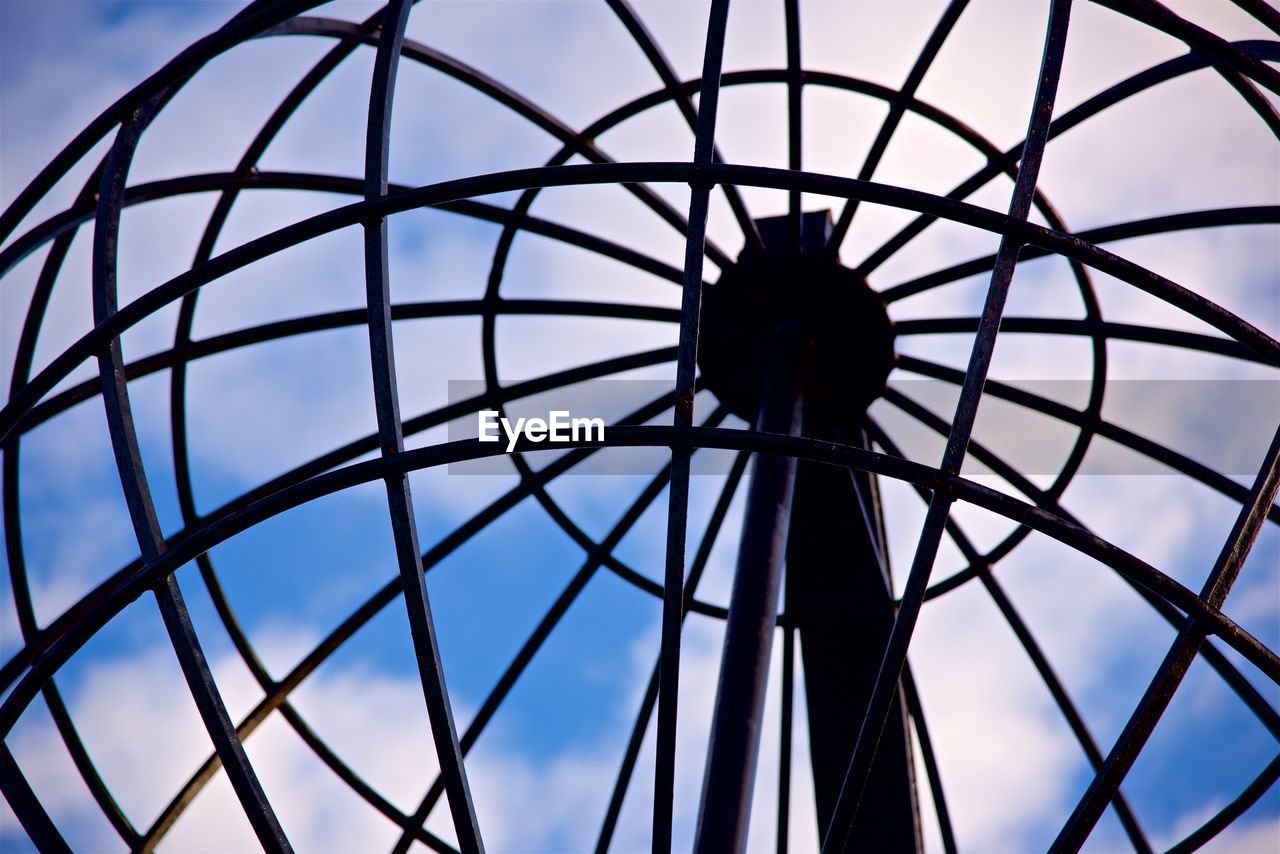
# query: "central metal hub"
843, 321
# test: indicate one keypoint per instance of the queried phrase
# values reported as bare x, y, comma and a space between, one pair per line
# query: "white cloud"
1249, 835
144, 735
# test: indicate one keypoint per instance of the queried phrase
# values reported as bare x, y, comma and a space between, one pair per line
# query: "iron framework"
1202, 629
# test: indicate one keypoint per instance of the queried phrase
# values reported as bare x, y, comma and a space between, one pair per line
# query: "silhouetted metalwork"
818, 457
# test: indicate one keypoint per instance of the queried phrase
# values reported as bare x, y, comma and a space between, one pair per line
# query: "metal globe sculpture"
783, 344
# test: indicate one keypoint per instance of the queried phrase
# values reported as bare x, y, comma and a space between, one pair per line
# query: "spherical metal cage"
686, 419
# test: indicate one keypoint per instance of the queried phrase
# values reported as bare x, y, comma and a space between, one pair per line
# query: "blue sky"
543, 770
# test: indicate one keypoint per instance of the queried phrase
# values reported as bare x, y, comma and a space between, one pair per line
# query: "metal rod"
682, 97
884, 697
13, 416
391, 437
1232, 811
24, 675
841, 602
1178, 660
664, 776
366, 611
533, 643
1037, 403
753, 610
795, 117
929, 760
31, 814
137, 493
1184, 221
785, 736
982, 565
696, 569
897, 109
1113, 95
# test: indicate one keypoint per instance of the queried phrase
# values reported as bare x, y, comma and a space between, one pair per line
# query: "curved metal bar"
578, 143
13, 532
277, 330
1264, 13
930, 761
1259, 215
11, 417
1227, 56
404, 527
346, 453
276, 696
686, 367
696, 569
30, 812
1110, 330
247, 166
178, 425
174, 73
594, 560
185, 545
652, 52
882, 695
1232, 811
1178, 660
85, 766
1256, 100
137, 494
178, 431
897, 109
65, 223
182, 475
983, 565
1109, 97
10, 498
1153, 450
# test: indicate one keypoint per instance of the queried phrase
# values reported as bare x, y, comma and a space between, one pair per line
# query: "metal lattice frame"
1202, 629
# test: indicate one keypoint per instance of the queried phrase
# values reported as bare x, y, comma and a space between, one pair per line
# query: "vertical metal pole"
753, 610
839, 600
664, 766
